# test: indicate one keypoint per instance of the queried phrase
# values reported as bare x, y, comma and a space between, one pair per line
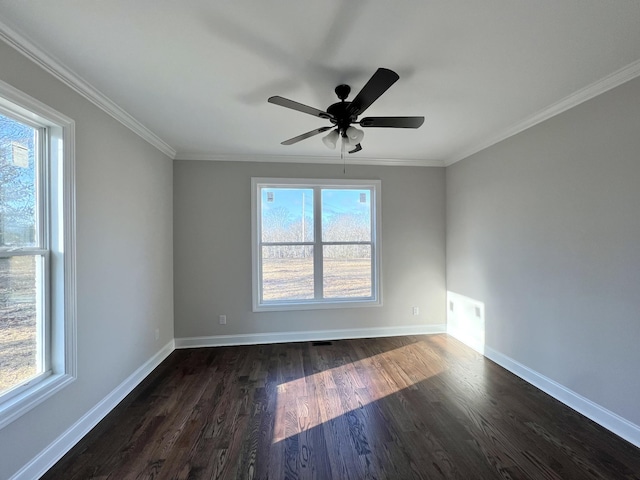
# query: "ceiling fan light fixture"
355, 135
331, 139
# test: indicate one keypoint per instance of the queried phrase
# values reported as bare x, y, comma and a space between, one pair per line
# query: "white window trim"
374, 301
61, 154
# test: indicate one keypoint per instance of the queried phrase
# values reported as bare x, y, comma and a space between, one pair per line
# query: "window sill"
16, 406
286, 306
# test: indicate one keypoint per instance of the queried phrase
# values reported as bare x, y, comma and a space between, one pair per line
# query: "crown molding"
54, 67
603, 85
308, 159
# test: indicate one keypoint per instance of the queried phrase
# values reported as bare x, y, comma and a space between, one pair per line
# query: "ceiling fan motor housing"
342, 118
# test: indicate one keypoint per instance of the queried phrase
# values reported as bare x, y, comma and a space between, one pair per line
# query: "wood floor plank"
389, 408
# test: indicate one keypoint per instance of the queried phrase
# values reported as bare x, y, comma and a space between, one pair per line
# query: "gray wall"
212, 249
544, 228
124, 260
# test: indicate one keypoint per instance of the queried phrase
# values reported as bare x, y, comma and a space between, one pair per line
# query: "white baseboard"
60, 446
606, 418
285, 337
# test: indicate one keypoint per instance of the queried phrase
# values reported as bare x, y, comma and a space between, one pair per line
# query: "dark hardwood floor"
396, 408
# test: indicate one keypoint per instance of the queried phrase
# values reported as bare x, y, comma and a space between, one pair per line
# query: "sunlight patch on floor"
307, 402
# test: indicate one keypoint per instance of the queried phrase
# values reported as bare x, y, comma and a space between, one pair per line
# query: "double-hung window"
316, 243
37, 302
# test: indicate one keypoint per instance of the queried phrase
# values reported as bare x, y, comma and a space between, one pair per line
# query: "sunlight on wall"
310, 401
465, 320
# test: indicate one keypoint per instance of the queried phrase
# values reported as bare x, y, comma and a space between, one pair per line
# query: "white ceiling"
197, 74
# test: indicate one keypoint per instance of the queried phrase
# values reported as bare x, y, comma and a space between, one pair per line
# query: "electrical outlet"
157, 334
416, 311
223, 319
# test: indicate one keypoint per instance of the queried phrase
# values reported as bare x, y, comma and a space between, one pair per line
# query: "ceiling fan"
343, 115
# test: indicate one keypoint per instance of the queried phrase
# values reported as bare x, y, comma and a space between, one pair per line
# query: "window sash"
41, 250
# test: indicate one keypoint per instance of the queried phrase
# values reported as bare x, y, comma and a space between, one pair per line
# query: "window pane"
287, 215
17, 183
19, 331
287, 272
346, 215
347, 271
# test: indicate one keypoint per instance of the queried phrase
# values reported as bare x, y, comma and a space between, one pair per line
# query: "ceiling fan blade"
392, 122
304, 136
357, 149
285, 102
376, 86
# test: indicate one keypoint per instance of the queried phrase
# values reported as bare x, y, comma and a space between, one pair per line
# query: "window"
316, 243
37, 289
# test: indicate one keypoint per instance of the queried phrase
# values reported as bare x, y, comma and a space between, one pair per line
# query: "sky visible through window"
286, 207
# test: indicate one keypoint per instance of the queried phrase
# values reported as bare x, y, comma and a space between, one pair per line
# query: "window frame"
55, 244
375, 300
